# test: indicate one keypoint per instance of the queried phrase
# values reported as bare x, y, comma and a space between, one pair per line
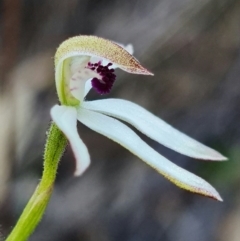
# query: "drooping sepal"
65, 118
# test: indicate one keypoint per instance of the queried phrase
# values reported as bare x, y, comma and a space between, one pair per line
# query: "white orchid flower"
86, 61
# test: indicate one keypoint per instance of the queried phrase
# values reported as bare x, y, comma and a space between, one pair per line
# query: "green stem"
34, 210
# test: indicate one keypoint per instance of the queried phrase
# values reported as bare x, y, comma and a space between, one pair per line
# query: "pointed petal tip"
220, 199
141, 70
217, 157
213, 194
149, 72
217, 197
138, 69
205, 153
210, 192
222, 158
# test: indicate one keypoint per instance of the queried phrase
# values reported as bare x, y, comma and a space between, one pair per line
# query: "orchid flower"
86, 62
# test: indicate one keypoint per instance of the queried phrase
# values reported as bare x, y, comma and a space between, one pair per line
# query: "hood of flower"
73, 66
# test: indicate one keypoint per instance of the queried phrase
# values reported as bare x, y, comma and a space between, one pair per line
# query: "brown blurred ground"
193, 49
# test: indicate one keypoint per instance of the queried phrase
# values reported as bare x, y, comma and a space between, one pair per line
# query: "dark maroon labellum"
105, 83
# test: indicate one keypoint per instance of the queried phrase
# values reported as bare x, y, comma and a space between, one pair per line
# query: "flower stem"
34, 210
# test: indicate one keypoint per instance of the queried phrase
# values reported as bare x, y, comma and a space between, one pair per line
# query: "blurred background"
193, 47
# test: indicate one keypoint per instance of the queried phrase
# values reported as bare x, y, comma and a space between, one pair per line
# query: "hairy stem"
34, 210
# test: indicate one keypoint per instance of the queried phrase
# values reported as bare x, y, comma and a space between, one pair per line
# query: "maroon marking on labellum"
73, 88
103, 85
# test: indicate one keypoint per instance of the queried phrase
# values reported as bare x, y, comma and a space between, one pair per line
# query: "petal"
154, 127
123, 135
65, 118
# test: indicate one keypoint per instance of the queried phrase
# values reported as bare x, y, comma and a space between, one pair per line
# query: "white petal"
65, 118
123, 135
154, 127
